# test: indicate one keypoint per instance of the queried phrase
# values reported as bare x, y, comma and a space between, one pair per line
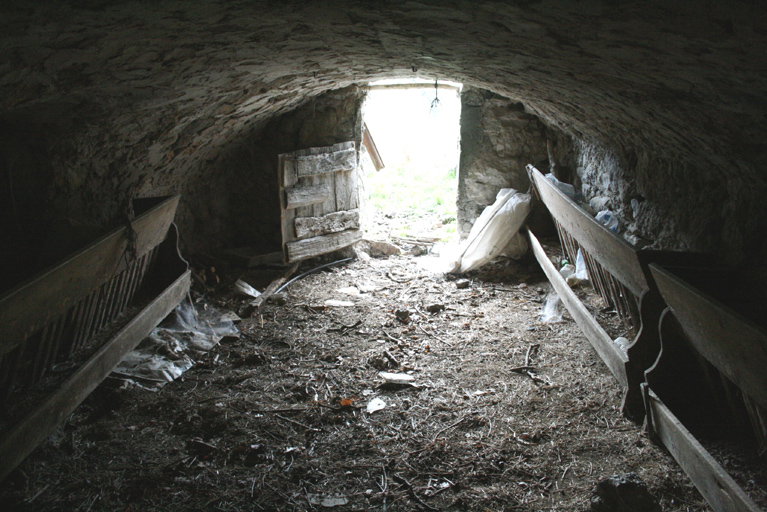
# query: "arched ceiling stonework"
137, 97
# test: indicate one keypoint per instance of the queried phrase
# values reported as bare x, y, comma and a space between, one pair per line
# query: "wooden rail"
614, 357
689, 363
618, 272
713, 482
64, 315
709, 375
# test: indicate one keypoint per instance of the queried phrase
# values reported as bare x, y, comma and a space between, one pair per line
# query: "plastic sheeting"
493, 231
172, 347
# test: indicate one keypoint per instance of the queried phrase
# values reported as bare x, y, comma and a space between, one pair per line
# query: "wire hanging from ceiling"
435, 102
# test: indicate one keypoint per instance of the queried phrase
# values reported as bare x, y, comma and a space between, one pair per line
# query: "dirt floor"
504, 412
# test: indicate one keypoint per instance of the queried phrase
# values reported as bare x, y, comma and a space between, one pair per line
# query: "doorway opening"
410, 185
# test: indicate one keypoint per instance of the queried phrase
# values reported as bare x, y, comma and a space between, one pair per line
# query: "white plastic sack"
493, 230
517, 247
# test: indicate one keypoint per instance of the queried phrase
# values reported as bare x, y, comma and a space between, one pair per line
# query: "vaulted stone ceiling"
135, 97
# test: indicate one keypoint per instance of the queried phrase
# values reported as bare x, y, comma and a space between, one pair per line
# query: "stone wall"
235, 202
102, 101
498, 139
55, 203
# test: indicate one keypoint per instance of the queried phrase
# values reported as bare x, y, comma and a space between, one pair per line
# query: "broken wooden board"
306, 196
310, 247
330, 223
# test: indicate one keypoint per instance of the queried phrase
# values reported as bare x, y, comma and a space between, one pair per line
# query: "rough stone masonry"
101, 101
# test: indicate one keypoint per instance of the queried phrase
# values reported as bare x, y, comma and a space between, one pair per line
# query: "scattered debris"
338, 303
462, 284
285, 408
188, 333
552, 311
377, 248
623, 493
435, 308
403, 315
374, 405
396, 378
326, 501
243, 288
279, 299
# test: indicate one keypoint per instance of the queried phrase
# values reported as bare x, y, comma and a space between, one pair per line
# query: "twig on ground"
448, 428
307, 427
393, 338
412, 492
391, 358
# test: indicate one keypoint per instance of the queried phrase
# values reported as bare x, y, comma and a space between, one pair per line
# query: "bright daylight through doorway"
416, 129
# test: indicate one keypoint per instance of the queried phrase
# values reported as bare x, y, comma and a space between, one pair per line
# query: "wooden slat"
330, 223
27, 308
290, 162
37, 425
370, 145
615, 254
343, 160
310, 247
613, 357
736, 346
306, 196
713, 482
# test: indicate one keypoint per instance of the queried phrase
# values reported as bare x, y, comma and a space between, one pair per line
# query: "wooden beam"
614, 357
306, 196
330, 223
309, 247
713, 482
615, 254
370, 145
31, 305
736, 346
40, 423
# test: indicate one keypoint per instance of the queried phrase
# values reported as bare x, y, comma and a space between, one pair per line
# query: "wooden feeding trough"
65, 329
696, 365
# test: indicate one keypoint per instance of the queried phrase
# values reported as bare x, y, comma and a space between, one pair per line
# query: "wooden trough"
69, 326
692, 356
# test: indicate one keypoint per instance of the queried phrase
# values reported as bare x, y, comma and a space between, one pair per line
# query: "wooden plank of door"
313, 161
342, 160
615, 254
330, 223
713, 482
310, 247
37, 425
306, 196
732, 343
30, 306
614, 358
347, 197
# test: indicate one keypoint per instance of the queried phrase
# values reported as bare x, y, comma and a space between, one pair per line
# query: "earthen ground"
277, 420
